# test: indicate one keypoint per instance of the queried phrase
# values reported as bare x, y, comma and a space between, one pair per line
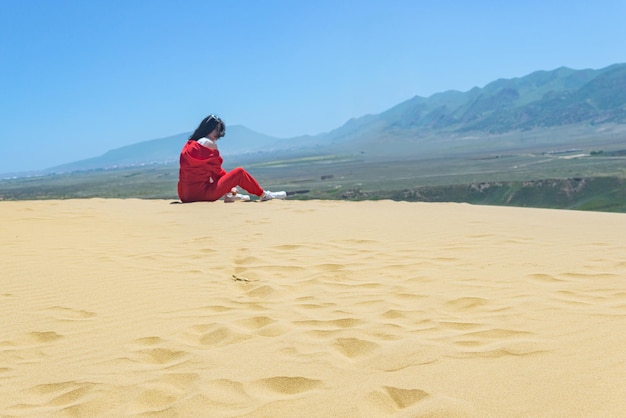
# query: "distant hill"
166, 150
542, 100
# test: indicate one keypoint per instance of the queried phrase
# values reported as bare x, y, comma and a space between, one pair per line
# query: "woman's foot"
234, 197
267, 195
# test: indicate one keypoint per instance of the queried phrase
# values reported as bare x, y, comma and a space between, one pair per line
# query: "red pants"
206, 191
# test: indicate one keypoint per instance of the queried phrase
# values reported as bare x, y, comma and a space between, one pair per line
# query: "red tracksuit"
202, 178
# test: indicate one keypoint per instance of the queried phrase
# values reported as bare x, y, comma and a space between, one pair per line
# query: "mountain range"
483, 117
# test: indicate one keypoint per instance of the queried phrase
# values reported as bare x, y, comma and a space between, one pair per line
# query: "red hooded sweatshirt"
200, 167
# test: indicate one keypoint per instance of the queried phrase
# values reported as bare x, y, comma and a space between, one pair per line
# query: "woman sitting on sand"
202, 178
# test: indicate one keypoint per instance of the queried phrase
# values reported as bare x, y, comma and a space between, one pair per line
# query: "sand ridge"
310, 308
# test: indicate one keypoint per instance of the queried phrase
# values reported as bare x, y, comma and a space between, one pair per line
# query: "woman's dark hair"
206, 127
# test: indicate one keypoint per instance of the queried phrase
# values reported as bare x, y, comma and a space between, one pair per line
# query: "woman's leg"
237, 177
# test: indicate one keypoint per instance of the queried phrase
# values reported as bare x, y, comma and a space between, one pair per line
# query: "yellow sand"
310, 309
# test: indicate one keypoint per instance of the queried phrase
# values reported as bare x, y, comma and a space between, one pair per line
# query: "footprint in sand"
498, 334
497, 342
71, 397
62, 394
27, 347
262, 292
151, 401
211, 335
329, 324
255, 322
544, 278
149, 352
310, 302
411, 403
226, 391
160, 356
354, 347
460, 326
148, 341
403, 398
62, 313
471, 340
403, 354
288, 385
263, 325
244, 257
246, 265
466, 303
178, 381
35, 338
290, 247
395, 314
158, 395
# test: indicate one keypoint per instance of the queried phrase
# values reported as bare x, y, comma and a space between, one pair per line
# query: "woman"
202, 178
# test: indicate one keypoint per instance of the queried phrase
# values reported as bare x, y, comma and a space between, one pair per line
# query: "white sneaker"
267, 195
233, 197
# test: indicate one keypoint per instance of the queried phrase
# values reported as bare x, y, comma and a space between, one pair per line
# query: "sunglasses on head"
221, 128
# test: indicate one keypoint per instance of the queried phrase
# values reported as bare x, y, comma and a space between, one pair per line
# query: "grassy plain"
564, 179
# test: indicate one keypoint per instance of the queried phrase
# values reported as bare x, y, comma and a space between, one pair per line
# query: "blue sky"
81, 77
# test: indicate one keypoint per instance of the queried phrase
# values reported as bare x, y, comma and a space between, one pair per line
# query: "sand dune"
310, 309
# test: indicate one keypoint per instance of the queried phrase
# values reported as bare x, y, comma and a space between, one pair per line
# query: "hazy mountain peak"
540, 99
